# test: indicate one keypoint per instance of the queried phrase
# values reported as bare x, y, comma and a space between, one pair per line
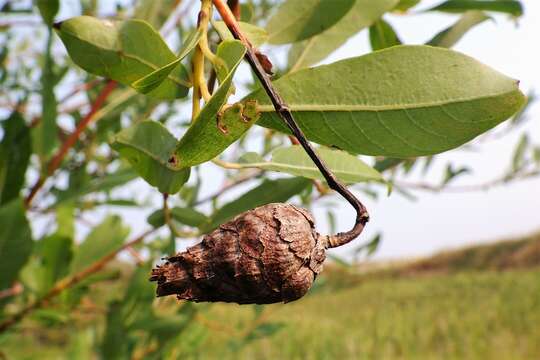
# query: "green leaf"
204, 141
518, 160
215, 129
115, 343
363, 14
156, 78
55, 252
294, 160
382, 35
270, 191
512, 7
81, 344
297, 20
149, 11
139, 295
15, 150
387, 163
428, 100
536, 155
15, 241
370, 247
148, 147
48, 10
97, 184
450, 36
405, 5
65, 220
45, 136
50, 262
452, 173
256, 35
186, 216
102, 240
125, 51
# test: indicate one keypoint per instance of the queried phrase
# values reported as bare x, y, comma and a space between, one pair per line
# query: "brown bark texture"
266, 255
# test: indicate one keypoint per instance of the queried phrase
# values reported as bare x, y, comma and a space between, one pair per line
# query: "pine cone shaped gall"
266, 255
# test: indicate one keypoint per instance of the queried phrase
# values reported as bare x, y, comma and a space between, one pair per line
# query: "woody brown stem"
282, 109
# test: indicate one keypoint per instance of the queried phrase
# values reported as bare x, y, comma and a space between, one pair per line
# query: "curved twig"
254, 59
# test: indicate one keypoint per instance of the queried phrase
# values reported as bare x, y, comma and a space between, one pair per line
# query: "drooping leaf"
15, 241
450, 36
48, 10
269, 191
125, 51
426, 101
186, 216
363, 14
102, 240
382, 35
45, 133
256, 35
294, 160
216, 128
297, 20
512, 7
155, 78
15, 150
148, 147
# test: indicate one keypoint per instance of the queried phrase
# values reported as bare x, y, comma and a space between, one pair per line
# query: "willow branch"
69, 282
71, 140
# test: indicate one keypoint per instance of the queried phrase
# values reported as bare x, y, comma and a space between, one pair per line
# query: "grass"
470, 315
481, 302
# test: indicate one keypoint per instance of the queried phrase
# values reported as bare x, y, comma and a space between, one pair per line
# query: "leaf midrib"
391, 107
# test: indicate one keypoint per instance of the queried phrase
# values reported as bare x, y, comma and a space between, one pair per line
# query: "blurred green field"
461, 316
488, 307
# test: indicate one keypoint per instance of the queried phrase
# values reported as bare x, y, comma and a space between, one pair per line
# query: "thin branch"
71, 140
69, 282
254, 59
467, 188
15, 290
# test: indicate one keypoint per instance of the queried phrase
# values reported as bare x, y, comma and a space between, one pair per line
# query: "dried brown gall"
266, 255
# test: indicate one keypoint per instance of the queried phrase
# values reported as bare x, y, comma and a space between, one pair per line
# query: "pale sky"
439, 221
